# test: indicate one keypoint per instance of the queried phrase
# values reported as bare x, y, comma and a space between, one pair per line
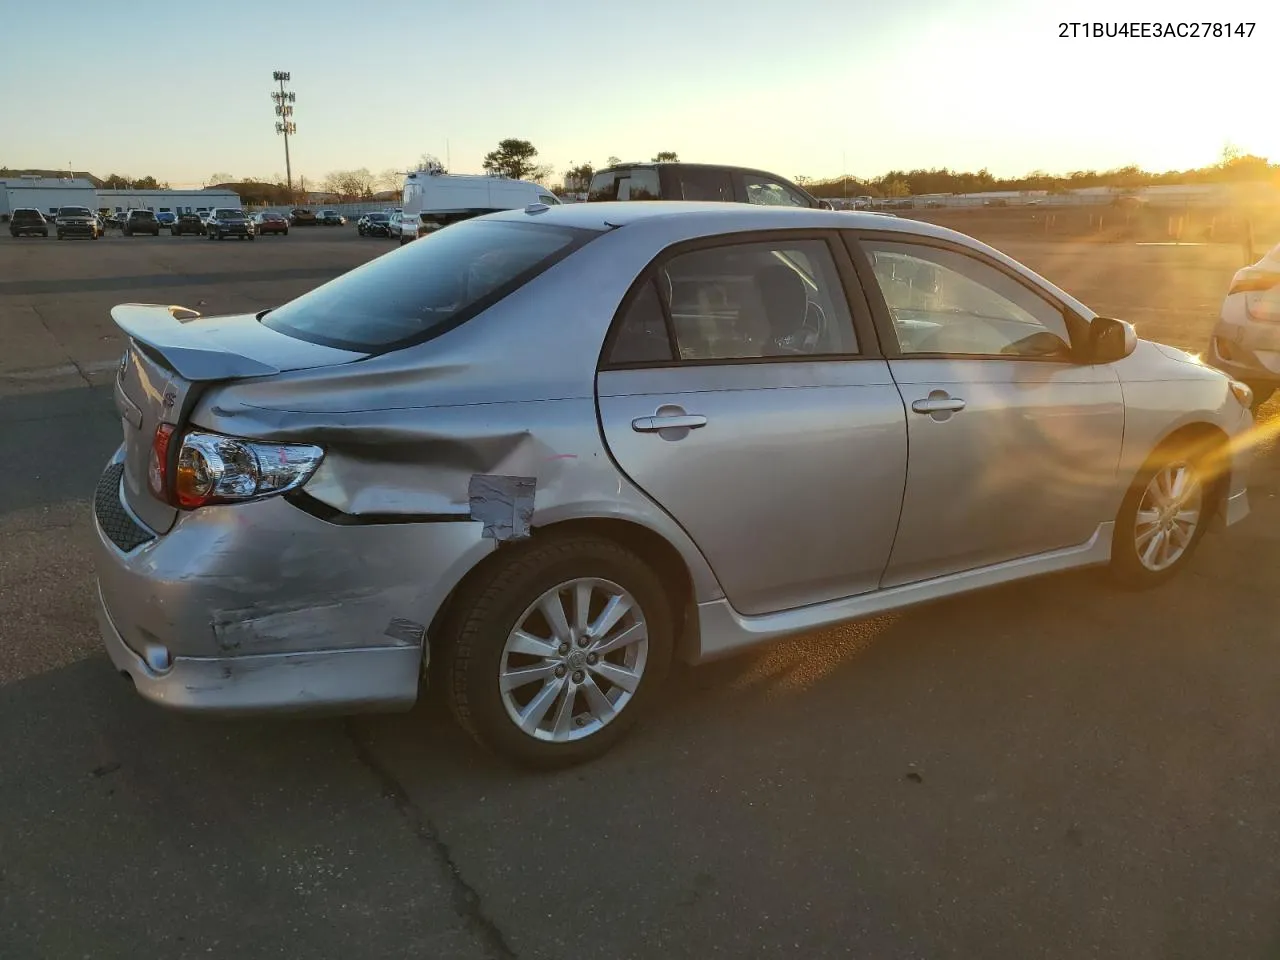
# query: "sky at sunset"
803, 89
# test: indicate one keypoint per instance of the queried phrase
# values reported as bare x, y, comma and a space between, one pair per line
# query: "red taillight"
158, 464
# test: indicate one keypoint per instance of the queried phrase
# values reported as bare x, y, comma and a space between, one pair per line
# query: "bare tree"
429, 161
666, 156
389, 179
217, 178
350, 184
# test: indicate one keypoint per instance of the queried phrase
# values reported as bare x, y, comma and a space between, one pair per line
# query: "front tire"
1163, 517
557, 649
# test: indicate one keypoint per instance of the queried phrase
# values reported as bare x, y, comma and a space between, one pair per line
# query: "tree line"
1235, 167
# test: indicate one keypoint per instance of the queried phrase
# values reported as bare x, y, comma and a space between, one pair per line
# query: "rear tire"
1164, 516
590, 712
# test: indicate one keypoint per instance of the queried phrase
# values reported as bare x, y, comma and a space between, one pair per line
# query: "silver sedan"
539, 454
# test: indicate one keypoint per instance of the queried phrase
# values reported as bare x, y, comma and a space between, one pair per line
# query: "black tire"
470, 647
1127, 568
250, 238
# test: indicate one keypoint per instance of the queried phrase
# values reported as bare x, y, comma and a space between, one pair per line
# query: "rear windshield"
27, 215
142, 214
380, 217
74, 212
423, 289
224, 212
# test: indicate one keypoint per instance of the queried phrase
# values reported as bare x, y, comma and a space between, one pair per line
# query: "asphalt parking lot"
1051, 769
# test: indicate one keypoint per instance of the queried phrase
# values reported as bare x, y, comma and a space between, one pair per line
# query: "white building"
45, 194
166, 201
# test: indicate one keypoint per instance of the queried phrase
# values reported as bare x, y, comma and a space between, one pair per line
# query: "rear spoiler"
163, 330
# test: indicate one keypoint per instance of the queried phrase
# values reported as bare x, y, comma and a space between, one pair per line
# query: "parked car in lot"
374, 224
188, 222
166, 219
395, 225
300, 217
1246, 339
141, 221
698, 181
228, 222
531, 449
28, 222
268, 221
330, 218
77, 222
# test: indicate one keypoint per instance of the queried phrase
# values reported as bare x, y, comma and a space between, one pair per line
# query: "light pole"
284, 101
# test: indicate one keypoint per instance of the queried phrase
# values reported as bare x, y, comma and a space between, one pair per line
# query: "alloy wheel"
1168, 516
574, 660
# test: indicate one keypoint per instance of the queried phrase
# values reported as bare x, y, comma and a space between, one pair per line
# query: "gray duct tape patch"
503, 504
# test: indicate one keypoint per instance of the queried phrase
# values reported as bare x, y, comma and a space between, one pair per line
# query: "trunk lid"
171, 354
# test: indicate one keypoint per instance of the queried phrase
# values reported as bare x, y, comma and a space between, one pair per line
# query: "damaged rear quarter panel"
510, 393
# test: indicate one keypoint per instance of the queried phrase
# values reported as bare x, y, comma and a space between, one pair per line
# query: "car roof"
715, 217
654, 164
657, 224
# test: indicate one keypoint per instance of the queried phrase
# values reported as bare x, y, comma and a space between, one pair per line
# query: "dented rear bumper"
262, 607
377, 678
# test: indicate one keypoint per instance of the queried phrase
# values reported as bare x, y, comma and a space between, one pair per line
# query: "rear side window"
706, 184
639, 183
427, 287
642, 334
741, 301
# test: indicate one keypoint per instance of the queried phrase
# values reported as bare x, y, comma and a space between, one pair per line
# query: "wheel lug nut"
583, 641
592, 658
578, 676
560, 671
564, 648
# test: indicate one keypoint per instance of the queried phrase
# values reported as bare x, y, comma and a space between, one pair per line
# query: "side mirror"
1110, 340
825, 205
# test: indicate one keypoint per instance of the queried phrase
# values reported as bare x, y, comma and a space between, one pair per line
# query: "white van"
433, 200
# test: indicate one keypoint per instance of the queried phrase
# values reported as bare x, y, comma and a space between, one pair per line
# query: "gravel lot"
1046, 770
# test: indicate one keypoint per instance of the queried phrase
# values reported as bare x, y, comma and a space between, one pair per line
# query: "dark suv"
27, 221
77, 222
187, 222
228, 222
698, 181
141, 221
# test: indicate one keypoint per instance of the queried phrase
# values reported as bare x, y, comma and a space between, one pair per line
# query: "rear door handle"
689, 421
938, 405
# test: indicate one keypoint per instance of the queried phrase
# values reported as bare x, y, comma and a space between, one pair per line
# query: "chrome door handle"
938, 405
687, 421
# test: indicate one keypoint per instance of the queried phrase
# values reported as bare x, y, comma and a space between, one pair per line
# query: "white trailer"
433, 199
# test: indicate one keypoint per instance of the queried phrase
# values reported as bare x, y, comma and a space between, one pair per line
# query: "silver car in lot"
537, 455
1246, 340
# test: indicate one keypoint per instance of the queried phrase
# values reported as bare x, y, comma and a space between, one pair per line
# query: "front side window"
771, 193
945, 302
427, 287
780, 299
